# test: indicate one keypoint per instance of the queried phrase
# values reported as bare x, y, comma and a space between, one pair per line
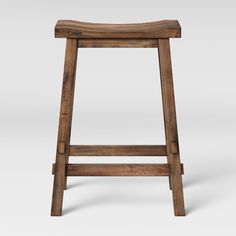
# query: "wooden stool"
89, 35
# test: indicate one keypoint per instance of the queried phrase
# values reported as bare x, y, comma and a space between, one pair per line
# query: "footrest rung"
117, 169
117, 150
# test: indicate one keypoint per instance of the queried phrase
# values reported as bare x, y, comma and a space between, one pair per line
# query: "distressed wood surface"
118, 150
143, 35
171, 126
117, 43
78, 29
117, 169
64, 130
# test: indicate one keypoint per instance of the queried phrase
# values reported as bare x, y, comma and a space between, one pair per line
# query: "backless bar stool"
140, 35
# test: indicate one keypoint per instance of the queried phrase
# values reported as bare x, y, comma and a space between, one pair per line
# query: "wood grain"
138, 35
171, 126
117, 43
117, 169
118, 150
64, 126
149, 30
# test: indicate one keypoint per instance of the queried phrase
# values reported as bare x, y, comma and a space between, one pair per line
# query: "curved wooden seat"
150, 30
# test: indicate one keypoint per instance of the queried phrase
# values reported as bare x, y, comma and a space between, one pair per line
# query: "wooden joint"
118, 150
56, 167
181, 166
174, 147
61, 148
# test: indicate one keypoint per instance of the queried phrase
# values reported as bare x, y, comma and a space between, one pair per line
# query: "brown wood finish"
64, 126
117, 169
118, 150
117, 43
149, 30
145, 35
171, 126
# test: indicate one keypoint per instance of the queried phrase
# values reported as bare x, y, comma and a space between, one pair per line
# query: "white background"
117, 102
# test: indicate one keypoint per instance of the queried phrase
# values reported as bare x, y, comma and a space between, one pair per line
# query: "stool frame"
172, 169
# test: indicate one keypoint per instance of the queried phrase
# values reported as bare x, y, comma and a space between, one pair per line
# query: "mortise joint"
174, 149
181, 166
61, 148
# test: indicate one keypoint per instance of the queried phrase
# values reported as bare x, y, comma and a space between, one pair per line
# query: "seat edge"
156, 29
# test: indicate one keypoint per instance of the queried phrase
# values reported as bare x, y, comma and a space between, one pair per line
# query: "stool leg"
64, 131
70, 113
165, 122
171, 126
